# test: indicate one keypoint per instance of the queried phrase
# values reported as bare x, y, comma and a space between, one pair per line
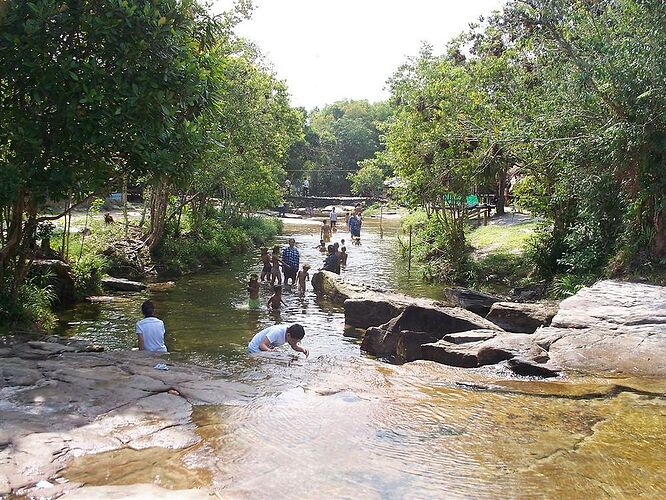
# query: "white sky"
328, 50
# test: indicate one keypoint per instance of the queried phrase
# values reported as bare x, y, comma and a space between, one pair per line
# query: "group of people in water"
150, 330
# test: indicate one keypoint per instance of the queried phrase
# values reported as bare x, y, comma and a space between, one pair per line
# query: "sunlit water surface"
342, 424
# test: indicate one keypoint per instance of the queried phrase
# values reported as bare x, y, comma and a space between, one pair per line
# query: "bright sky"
328, 50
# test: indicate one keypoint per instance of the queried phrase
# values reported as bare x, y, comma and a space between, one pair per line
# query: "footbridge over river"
323, 201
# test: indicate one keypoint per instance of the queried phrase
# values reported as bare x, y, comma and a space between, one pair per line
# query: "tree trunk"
501, 191
158, 208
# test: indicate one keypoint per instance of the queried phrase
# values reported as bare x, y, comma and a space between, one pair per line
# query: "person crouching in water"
276, 299
268, 339
150, 330
302, 277
253, 290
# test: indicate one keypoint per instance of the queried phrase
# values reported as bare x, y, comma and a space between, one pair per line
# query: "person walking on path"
287, 187
306, 187
290, 262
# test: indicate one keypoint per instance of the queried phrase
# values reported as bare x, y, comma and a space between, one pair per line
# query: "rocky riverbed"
610, 327
59, 402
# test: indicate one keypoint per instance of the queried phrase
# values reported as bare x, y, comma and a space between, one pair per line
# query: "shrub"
33, 304
87, 274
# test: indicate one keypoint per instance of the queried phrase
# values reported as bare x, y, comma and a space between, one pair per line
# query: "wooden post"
381, 226
409, 259
123, 199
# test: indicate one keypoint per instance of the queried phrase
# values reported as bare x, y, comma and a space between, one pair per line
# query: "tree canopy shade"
572, 92
156, 91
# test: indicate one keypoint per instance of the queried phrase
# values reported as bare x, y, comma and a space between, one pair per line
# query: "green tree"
369, 180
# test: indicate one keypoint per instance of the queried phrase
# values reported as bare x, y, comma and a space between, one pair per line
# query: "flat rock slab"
70, 404
612, 326
470, 336
472, 300
502, 347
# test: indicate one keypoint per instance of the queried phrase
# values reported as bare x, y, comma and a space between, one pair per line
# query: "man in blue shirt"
290, 261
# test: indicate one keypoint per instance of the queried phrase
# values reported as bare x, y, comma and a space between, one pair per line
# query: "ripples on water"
341, 424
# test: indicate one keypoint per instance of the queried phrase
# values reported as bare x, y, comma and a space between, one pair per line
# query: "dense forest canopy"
160, 93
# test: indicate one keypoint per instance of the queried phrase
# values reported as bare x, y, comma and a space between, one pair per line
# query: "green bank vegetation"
570, 93
98, 97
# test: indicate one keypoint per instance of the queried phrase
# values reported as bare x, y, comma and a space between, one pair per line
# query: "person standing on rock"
333, 215
150, 330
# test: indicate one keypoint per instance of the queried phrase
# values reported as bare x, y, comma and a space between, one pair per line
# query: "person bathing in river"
150, 330
275, 302
269, 339
276, 275
303, 276
322, 246
336, 249
253, 291
290, 260
331, 263
326, 232
343, 255
266, 262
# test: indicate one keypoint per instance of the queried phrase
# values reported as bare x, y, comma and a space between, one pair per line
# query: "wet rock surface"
59, 403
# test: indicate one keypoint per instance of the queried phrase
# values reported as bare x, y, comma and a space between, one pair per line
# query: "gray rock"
462, 355
472, 300
612, 326
123, 285
367, 312
435, 322
521, 318
530, 368
470, 336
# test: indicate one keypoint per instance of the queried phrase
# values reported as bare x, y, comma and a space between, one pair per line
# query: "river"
343, 424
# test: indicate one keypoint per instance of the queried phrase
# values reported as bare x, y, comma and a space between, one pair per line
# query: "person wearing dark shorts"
290, 262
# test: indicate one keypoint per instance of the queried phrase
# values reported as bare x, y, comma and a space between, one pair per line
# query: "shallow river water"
342, 424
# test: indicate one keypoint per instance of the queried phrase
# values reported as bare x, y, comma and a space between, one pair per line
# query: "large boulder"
612, 326
472, 300
371, 311
334, 287
59, 278
426, 324
519, 317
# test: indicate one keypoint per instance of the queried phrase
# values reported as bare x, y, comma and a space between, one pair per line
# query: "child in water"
266, 261
253, 290
302, 277
275, 266
326, 232
322, 246
343, 255
276, 299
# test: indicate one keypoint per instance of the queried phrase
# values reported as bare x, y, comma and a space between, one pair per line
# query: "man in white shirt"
270, 338
306, 186
150, 330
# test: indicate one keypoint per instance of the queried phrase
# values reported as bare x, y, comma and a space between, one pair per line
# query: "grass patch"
502, 239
